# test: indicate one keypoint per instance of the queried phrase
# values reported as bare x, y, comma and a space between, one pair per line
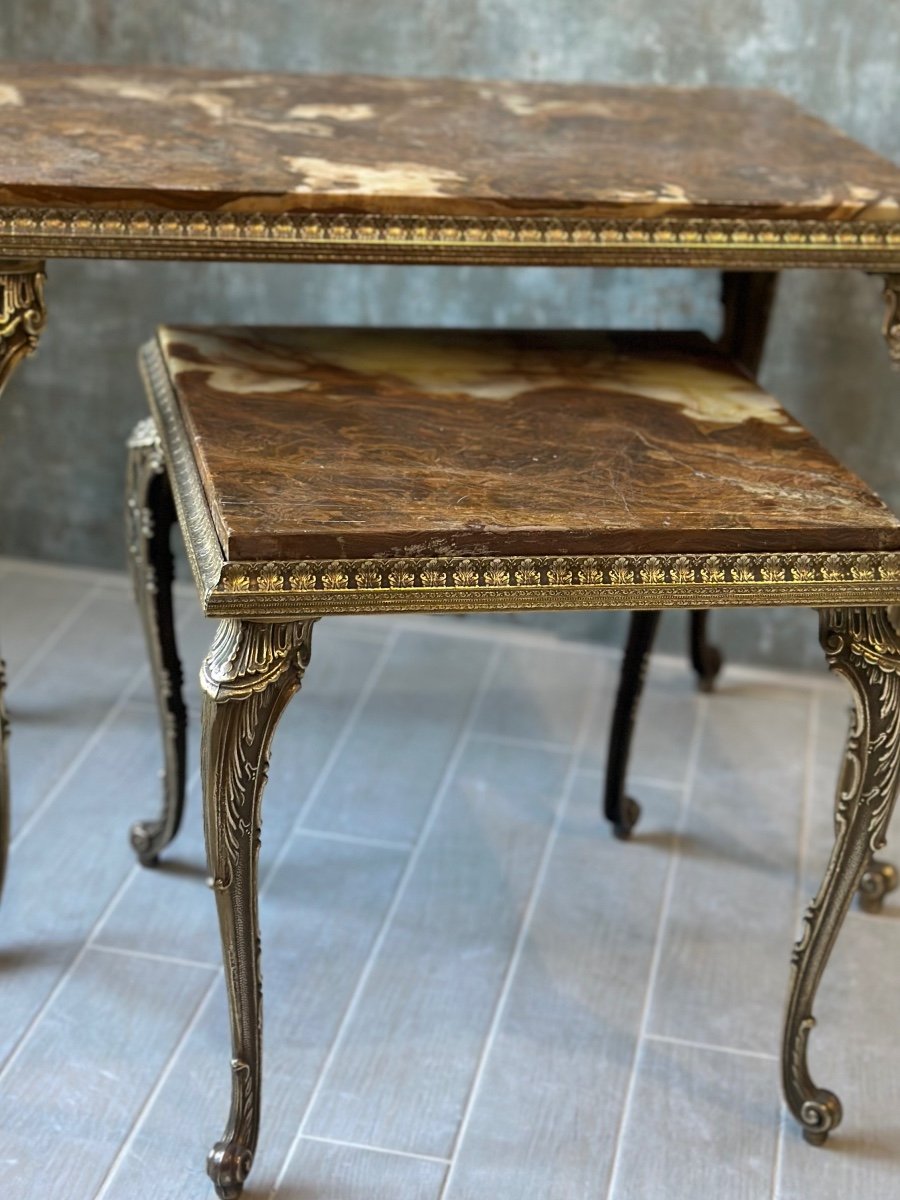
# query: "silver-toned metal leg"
248, 677
149, 517
23, 315
862, 645
4, 777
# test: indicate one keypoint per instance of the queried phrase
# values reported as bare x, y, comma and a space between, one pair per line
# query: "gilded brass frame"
727, 243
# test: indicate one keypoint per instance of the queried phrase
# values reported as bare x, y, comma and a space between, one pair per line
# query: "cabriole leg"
619, 809
248, 677
862, 645
23, 315
149, 516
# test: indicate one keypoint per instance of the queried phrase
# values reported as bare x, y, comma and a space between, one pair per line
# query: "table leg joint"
23, 312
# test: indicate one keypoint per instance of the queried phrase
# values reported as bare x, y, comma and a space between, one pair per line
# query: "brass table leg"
621, 810
248, 677
22, 317
862, 645
149, 517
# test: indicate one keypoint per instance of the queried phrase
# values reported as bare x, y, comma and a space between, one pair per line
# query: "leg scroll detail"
248, 677
862, 645
23, 312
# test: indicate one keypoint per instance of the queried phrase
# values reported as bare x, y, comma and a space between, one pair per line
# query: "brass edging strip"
201, 542
584, 581
354, 237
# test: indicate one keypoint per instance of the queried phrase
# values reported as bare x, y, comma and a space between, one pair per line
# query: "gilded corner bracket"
23, 312
892, 317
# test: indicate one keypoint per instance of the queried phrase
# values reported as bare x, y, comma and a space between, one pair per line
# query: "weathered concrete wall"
66, 415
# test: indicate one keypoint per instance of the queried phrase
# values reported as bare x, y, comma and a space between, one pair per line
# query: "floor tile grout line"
172, 960
525, 743
812, 733
14, 565
802, 678
65, 623
352, 839
326, 1141
536, 890
159, 1084
440, 793
668, 1040
65, 976
117, 706
189, 786
337, 746
87, 747
662, 922
637, 780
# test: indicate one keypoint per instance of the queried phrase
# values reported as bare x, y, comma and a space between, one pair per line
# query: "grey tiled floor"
472, 991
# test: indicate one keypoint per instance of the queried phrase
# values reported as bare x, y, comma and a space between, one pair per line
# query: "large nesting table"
198, 165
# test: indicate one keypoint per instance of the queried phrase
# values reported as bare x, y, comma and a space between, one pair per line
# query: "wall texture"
67, 413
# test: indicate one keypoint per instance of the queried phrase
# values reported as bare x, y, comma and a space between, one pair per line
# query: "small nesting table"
322, 472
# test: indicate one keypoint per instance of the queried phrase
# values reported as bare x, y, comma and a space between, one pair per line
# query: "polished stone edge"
446, 584
354, 237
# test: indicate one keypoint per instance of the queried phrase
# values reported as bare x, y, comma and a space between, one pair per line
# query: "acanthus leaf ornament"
23, 312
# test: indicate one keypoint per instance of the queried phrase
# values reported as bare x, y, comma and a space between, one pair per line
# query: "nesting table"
185, 164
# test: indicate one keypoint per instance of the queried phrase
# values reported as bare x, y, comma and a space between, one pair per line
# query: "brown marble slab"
217, 142
333, 443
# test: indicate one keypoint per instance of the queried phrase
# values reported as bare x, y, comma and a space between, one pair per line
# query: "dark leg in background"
150, 515
620, 810
747, 298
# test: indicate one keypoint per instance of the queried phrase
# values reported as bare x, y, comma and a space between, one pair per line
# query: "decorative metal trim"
23, 312
409, 237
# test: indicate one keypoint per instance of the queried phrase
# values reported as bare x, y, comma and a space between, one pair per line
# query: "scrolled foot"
819, 1116
147, 839
878, 879
228, 1165
629, 814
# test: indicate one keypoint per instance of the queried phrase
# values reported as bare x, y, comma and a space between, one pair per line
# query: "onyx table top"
335, 443
186, 163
